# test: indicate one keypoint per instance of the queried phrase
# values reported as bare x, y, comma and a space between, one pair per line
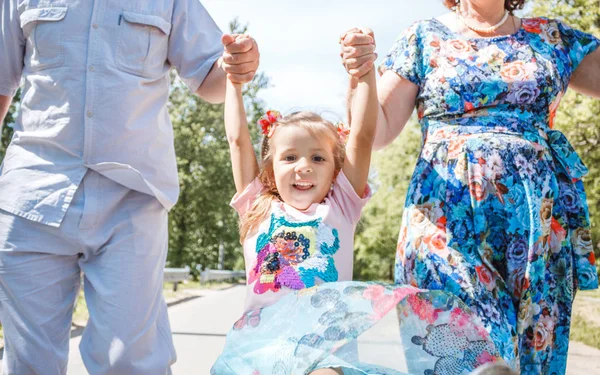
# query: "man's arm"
195, 42
4, 106
12, 50
212, 88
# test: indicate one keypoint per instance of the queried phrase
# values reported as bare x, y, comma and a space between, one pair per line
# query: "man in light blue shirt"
90, 173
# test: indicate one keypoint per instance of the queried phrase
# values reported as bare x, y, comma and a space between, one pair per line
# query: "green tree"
579, 116
202, 220
377, 233
7, 129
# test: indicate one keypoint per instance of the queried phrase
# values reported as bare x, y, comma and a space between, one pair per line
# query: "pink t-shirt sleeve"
241, 202
344, 198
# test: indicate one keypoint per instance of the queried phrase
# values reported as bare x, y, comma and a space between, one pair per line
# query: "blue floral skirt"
499, 218
331, 326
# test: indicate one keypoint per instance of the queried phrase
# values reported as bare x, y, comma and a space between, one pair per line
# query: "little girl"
298, 213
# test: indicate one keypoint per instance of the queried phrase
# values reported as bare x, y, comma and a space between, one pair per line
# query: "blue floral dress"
496, 211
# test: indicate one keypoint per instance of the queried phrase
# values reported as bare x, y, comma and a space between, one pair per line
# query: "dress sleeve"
404, 57
241, 202
195, 42
344, 197
12, 48
577, 43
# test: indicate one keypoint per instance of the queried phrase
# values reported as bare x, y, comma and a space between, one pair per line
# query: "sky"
298, 42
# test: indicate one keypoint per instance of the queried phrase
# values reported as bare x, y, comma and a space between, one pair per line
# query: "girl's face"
303, 166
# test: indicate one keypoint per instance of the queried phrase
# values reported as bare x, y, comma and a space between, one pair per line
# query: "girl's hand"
358, 51
241, 57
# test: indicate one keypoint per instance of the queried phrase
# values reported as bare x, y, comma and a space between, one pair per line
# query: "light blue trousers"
118, 239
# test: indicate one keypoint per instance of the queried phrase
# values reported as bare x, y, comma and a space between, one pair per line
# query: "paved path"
200, 325
199, 328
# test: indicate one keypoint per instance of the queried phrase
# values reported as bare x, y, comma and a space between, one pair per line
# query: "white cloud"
299, 42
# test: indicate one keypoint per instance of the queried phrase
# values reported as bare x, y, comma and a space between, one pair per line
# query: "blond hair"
319, 128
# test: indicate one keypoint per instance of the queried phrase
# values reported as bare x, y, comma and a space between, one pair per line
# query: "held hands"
358, 51
241, 57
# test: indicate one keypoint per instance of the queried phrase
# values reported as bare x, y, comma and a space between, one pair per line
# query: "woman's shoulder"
421, 27
541, 25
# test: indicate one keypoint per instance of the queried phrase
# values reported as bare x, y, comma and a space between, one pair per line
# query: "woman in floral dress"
496, 211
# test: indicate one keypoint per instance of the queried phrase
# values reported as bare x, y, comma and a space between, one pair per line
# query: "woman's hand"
358, 51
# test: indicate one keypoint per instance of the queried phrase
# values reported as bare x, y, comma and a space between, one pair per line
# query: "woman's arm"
362, 132
397, 97
586, 78
243, 160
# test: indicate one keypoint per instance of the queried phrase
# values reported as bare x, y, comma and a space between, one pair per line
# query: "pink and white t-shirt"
294, 249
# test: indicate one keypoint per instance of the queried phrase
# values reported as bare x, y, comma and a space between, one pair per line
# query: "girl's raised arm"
243, 160
365, 109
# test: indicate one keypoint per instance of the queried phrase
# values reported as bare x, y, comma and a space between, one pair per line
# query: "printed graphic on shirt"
294, 255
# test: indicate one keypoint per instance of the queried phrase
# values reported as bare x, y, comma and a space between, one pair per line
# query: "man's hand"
241, 57
358, 51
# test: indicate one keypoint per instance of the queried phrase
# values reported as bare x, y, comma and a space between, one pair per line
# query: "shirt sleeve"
577, 43
345, 198
404, 57
241, 202
195, 42
12, 48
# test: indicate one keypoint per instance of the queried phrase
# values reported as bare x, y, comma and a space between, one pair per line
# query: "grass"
589, 293
80, 313
585, 325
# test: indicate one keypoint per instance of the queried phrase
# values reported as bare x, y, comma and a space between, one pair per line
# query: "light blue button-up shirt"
95, 82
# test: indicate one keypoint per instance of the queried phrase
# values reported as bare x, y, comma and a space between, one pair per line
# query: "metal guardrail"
218, 275
180, 275
176, 276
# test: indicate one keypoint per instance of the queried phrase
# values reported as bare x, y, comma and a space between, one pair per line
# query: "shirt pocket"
142, 44
43, 30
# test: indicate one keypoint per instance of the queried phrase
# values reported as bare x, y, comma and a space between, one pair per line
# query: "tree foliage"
7, 129
202, 220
